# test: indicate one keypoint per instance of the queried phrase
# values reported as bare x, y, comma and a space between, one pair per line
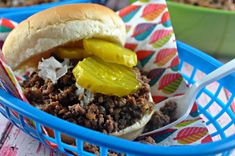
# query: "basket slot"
201, 97
103, 151
222, 130
186, 70
81, 149
213, 87
27, 124
213, 98
69, 149
8, 114
22, 123
55, 140
224, 118
58, 141
180, 66
185, 77
3, 113
85, 153
231, 112
12, 118
100, 150
79, 145
39, 131
31, 131
227, 126
230, 130
2, 110
232, 105
48, 138
191, 79
27, 129
90, 148
210, 118
227, 121
226, 109
64, 147
118, 153
209, 95
32, 135
18, 123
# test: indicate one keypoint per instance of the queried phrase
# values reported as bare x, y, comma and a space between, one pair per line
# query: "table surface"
14, 142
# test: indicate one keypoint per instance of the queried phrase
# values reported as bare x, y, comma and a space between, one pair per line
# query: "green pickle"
110, 52
107, 78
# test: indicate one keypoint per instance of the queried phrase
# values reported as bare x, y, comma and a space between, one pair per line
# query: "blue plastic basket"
188, 56
44, 6
198, 60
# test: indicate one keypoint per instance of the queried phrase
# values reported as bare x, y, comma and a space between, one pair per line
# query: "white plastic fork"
185, 102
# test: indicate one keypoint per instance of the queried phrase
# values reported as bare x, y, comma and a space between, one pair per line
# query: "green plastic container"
210, 30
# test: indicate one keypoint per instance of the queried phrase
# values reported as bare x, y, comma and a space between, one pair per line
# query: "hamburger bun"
66, 26
59, 26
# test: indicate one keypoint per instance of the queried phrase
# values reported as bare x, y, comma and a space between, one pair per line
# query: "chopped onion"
88, 96
50, 63
52, 69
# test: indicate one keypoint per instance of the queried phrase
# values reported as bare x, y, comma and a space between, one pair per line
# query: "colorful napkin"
5, 27
150, 35
7, 79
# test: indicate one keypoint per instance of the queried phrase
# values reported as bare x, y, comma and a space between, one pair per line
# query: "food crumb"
163, 117
148, 140
216, 4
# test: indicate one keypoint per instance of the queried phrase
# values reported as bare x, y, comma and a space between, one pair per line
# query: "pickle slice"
103, 77
70, 53
110, 52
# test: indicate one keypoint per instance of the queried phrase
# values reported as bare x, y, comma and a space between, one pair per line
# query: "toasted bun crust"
60, 25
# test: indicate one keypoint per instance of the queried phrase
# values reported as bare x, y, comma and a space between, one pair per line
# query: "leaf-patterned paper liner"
152, 11
189, 135
190, 131
160, 37
8, 81
10, 84
187, 122
150, 35
5, 27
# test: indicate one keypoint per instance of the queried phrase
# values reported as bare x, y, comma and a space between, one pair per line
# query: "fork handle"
217, 74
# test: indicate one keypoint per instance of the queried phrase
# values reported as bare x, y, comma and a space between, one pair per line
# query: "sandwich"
74, 66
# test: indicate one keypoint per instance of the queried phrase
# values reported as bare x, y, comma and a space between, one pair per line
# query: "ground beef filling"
104, 113
18, 3
94, 149
217, 4
165, 116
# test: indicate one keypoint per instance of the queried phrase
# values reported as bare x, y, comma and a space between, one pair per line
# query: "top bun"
61, 25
